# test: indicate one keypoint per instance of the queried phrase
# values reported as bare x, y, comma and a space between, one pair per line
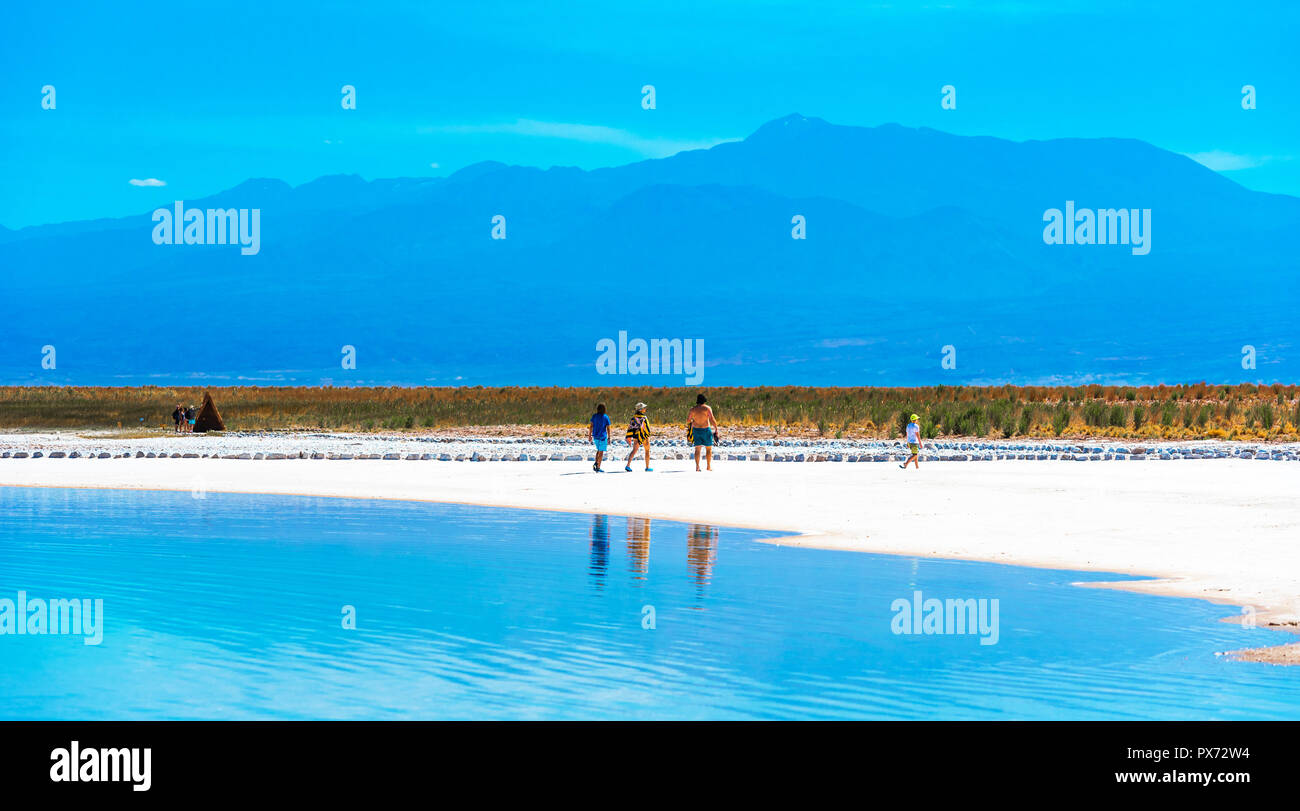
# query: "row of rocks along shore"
271, 446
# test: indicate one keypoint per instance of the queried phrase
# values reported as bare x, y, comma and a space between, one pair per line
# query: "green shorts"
914, 447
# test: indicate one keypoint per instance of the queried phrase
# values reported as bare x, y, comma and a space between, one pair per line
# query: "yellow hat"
915, 418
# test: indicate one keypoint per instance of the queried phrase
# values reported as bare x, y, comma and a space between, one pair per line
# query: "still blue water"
232, 606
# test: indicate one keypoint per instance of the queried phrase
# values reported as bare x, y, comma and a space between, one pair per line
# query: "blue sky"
204, 96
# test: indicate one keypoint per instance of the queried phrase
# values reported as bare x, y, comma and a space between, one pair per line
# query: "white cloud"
586, 133
1221, 161
148, 181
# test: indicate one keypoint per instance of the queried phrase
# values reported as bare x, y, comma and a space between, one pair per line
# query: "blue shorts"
602, 444
702, 437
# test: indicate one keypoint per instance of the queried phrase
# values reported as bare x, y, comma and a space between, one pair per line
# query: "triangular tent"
209, 418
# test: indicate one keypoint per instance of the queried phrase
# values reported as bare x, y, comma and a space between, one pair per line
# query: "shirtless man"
702, 426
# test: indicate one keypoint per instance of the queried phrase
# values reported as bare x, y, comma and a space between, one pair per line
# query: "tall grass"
1190, 411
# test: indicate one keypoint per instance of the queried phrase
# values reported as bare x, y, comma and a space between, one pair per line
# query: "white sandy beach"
1222, 530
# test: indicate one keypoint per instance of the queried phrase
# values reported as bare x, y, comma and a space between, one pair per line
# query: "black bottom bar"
549, 761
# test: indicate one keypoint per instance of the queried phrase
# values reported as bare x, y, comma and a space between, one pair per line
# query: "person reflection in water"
638, 547
701, 552
599, 548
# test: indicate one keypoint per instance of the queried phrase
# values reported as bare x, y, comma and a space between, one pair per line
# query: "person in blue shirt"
598, 432
913, 443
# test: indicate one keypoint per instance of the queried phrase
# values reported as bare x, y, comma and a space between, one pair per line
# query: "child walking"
913, 443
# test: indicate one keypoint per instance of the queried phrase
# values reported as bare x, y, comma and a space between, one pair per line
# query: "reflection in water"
701, 552
638, 547
478, 613
599, 548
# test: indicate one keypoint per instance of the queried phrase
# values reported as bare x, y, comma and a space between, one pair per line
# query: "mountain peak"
339, 181
256, 185
793, 124
476, 170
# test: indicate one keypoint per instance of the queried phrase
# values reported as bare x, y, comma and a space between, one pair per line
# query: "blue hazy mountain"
915, 239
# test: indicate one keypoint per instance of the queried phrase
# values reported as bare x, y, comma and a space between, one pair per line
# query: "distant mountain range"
915, 240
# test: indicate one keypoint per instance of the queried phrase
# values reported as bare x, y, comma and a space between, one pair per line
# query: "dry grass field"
1194, 411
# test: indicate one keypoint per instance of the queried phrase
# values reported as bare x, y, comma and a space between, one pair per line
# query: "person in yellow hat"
913, 443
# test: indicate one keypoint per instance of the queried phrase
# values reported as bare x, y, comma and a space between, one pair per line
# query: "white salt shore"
1226, 530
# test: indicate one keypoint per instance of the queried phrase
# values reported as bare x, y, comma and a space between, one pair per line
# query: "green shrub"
1026, 421
1118, 417
1061, 420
